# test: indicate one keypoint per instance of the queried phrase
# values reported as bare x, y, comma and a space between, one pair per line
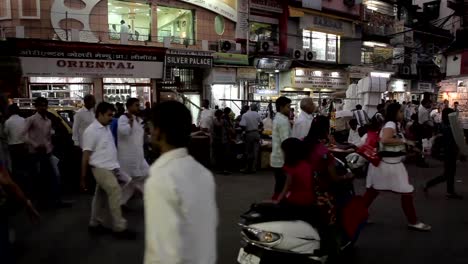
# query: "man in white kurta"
180, 200
130, 140
302, 124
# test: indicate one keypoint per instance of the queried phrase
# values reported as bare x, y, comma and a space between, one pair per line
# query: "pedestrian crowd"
179, 193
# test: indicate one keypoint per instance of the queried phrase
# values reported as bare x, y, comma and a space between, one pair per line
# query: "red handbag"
369, 153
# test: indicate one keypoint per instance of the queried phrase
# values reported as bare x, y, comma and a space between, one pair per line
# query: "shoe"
125, 235
98, 230
454, 196
420, 226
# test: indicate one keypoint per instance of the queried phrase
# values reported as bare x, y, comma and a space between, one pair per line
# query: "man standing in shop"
130, 137
100, 153
180, 196
281, 132
38, 136
302, 125
83, 118
251, 122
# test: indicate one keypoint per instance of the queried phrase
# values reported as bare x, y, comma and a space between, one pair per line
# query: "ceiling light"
158, 9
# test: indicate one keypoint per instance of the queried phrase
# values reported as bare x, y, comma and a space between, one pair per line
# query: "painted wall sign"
327, 24
224, 75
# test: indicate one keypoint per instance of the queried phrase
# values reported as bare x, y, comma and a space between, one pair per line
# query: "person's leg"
433, 182
55, 178
128, 191
108, 182
249, 148
407, 203
280, 180
450, 169
255, 152
5, 246
370, 196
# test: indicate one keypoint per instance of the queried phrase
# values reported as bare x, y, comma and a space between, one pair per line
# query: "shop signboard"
425, 87
189, 59
267, 5
272, 64
246, 73
242, 25
319, 79
230, 58
327, 24
223, 75
359, 72
226, 8
57, 59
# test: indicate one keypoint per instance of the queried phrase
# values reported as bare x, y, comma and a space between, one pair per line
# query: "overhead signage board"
319, 79
226, 8
189, 59
267, 5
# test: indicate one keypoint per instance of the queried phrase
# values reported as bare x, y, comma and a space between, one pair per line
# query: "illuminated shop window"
129, 17
326, 46
176, 23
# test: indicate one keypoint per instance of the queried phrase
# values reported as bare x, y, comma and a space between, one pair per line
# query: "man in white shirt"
281, 132
353, 137
130, 138
206, 117
83, 118
302, 125
361, 116
251, 122
100, 153
424, 113
180, 203
14, 128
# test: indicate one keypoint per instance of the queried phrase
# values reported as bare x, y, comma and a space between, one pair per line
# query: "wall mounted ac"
227, 46
310, 55
297, 54
266, 46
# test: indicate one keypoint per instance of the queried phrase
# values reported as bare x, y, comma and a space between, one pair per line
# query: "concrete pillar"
98, 88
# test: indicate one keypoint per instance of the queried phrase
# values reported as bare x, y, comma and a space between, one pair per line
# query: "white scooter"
269, 235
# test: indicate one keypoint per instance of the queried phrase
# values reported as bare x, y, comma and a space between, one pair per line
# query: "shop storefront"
68, 71
317, 83
456, 90
419, 89
399, 90
184, 73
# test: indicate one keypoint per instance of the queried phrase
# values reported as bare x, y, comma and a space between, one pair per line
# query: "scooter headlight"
261, 236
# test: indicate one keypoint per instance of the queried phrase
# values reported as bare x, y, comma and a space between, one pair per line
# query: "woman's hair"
392, 112
445, 115
294, 151
319, 129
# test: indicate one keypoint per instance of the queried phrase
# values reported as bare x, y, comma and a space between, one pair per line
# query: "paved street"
62, 236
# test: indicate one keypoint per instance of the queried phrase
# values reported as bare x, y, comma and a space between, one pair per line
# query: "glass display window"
176, 23
133, 18
72, 88
263, 32
118, 90
326, 46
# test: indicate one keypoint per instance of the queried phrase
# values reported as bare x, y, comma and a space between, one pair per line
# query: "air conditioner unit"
226, 46
297, 54
266, 46
406, 70
310, 55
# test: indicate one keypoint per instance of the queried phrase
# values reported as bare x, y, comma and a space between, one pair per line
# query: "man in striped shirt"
361, 116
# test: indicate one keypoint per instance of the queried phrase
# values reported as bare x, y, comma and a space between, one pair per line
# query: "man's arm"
89, 141
25, 135
76, 130
162, 222
123, 126
284, 131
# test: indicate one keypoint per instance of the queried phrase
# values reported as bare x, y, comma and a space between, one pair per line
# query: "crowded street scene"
233, 131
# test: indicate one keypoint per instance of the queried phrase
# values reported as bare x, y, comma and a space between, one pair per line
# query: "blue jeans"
5, 247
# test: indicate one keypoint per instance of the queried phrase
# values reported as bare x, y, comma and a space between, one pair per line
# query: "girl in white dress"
391, 174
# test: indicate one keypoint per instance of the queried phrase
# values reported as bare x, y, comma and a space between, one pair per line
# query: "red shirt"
301, 191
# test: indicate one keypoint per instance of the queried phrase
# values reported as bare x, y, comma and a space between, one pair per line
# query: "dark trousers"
450, 169
5, 247
20, 162
252, 149
280, 181
222, 155
47, 183
466, 135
